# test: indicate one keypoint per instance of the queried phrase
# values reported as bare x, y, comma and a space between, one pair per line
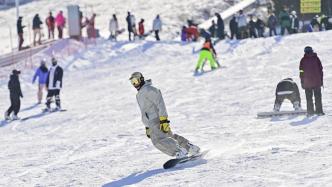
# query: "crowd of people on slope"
51, 22
59, 22
243, 26
49, 79
133, 32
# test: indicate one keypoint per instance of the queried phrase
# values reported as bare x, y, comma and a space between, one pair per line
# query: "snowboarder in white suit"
154, 117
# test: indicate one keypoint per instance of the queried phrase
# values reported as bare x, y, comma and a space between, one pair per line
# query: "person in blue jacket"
41, 73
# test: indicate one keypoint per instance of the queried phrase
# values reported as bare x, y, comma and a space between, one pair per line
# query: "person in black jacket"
15, 94
36, 29
212, 29
287, 89
54, 85
260, 27
20, 32
220, 27
233, 27
252, 28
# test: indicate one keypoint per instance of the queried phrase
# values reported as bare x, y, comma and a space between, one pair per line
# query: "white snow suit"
152, 106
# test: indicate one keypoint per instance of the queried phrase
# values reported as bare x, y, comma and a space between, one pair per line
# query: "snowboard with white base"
175, 161
281, 113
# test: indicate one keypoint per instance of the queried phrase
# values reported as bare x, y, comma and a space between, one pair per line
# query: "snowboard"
281, 113
175, 161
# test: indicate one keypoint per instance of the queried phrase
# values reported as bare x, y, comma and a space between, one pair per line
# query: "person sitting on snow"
287, 89
207, 53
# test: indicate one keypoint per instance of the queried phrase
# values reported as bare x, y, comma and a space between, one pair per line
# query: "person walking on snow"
157, 25
207, 53
287, 89
54, 85
14, 87
41, 73
155, 119
114, 27
50, 22
311, 75
60, 22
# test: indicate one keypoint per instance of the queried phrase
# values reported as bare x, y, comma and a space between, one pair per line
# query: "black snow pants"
15, 104
50, 95
318, 100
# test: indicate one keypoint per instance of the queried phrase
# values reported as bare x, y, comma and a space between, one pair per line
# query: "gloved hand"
148, 132
164, 124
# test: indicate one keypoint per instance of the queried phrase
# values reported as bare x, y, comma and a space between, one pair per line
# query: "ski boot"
7, 117
15, 117
193, 149
181, 153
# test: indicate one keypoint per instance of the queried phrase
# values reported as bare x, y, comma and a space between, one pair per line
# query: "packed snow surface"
100, 140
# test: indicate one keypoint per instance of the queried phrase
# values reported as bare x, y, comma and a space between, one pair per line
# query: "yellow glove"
164, 124
148, 132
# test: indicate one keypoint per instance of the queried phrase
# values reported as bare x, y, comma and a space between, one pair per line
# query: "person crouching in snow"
41, 73
14, 87
155, 119
287, 89
207, 53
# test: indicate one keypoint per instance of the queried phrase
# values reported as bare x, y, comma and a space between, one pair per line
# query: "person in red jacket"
141, 29
50, 22
311, 74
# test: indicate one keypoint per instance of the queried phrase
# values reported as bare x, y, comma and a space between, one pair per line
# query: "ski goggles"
135, 81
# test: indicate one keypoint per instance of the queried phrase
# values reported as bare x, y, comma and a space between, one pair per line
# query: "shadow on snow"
139, 177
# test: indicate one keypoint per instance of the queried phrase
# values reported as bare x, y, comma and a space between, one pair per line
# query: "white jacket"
157, 24
113, 25
151, 103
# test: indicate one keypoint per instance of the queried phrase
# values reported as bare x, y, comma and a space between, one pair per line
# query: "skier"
272, 24
60, 22
41, 73
234, 28
285, 21
213, 29
131, 25
242, 25
113, 27
287, 89
220, 27
294, 22
50, 22
311, 74
20, 32
157, 24
15, 94
207, 53
54, 84
252, 28
36, 29
141, 29
155, 119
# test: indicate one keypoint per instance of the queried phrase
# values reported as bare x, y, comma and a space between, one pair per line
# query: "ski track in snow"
100, 140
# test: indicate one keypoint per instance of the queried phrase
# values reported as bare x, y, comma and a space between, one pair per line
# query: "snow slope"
100, 140
173, 13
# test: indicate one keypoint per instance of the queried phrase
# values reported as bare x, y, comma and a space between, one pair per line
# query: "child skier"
155, 119
207, 53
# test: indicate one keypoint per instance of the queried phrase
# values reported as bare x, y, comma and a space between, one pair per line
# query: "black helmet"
137, 79
308, 49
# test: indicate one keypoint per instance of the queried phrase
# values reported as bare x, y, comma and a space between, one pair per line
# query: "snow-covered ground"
100, 140
173, 13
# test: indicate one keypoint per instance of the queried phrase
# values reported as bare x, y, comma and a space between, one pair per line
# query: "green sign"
310, 6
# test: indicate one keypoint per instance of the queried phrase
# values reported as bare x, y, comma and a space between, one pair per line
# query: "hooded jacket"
311, 71
14, 86
41, 73
151, 104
